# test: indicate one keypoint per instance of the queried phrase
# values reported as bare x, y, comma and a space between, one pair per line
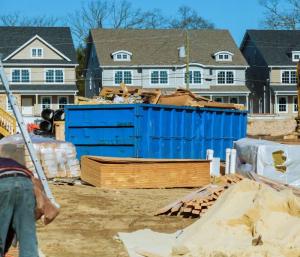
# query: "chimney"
181, 52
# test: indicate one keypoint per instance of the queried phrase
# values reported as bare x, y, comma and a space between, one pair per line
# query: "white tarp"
276, 161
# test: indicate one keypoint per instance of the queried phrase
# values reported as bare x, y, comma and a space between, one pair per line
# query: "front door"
27, 105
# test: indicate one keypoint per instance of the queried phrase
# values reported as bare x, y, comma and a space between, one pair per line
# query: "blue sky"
235, 15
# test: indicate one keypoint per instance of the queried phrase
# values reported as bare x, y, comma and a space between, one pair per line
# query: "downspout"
265, 99
270, 92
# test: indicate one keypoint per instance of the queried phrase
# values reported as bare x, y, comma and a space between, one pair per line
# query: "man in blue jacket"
17, 208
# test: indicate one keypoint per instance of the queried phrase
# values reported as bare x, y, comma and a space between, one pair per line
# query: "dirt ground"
91, 217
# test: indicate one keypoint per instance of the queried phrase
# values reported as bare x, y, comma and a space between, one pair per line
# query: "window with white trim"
37, 52
54, 76
195, 77
233, 100
218, 99
282, 104
288, 77
225, 77
295, 104
223, 56
20, 76
121, 55
62, 101
159, 77
123, 76
46, 102
296, 56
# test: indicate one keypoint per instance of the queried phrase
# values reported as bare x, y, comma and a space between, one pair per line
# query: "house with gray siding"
157, 59
40, 65
272, 56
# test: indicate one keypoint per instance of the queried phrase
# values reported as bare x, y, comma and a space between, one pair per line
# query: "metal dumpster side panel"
153, 131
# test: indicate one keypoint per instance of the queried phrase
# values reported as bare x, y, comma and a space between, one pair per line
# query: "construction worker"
17, 208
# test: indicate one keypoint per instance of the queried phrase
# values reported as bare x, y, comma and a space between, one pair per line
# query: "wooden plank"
143, 173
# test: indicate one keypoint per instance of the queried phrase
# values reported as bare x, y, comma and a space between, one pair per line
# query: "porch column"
36, 109
247, 102
275, 106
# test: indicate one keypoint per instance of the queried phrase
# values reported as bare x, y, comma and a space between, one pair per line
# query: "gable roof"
59, 38
160, 47
275, 46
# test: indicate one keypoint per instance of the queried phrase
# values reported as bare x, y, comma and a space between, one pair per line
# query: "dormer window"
223, 56
36, 52
296, 56
121, 55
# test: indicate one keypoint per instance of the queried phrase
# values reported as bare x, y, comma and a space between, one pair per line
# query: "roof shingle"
160, 47
276, 46
11, 38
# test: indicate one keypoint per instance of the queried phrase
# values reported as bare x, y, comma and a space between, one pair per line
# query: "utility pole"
187, 60
298, 98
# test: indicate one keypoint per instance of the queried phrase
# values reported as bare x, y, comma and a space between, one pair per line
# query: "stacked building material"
109, 172
198, 202
58, 158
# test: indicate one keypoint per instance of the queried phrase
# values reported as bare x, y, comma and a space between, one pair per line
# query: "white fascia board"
220, 92
285, 92
39, 92
282, 66
176, 66
40, 64
31, 40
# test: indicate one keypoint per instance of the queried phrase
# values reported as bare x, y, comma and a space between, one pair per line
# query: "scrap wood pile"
272, 183
249, 219
129, 95
184, 97
125, 95
198, 202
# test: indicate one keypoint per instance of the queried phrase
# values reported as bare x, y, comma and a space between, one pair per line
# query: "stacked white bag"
58, 158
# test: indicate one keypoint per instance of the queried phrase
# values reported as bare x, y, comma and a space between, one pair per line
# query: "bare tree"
113, 14
278, 16
154, 19
189, 19
16, 19
105, 13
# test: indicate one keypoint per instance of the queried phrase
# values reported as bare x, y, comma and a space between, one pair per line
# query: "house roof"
12, 38
160, 47
284, 88
224, 88
275, 46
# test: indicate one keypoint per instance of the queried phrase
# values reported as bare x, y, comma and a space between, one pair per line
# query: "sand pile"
248, 220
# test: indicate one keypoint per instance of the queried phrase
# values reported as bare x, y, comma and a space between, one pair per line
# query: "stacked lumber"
272, 183
109, 172
198, 202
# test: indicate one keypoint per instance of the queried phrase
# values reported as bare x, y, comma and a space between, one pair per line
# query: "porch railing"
7, 123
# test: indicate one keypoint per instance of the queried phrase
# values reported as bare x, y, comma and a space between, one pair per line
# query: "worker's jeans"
17, 204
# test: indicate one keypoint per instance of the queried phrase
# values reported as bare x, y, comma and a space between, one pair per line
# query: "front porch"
32, 105
285, 104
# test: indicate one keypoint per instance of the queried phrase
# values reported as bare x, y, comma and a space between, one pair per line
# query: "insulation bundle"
58, 158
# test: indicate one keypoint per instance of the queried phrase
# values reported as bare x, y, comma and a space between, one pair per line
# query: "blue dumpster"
152, 131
